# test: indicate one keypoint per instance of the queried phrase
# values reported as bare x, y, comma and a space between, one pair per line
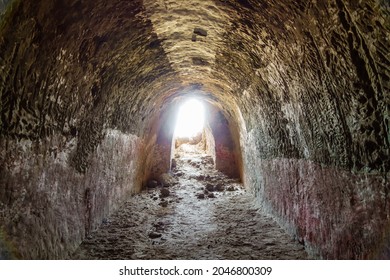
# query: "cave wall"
209, 141
46, 207
3, 6
315, 137
164, 146
227, 153
73, 138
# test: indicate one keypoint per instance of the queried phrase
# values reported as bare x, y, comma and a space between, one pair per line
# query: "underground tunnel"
296, 102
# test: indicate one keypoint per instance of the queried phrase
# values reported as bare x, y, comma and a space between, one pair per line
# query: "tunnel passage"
219, 139
84, 86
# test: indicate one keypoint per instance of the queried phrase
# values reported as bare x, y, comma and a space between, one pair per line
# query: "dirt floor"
202, 214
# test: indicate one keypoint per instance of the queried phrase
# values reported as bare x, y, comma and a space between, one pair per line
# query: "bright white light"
190, 119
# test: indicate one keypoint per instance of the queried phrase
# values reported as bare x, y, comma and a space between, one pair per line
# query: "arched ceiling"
75, 64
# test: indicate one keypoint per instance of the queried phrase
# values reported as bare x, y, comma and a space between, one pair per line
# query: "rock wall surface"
209, 142
305, 82
3, 6
227, 153
316, 135
46, 207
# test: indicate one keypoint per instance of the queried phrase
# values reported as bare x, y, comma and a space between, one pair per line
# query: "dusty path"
183, 225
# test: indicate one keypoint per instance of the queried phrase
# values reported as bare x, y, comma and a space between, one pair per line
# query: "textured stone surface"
3, 6
304, 85
227, 152
46, 207
209, 142
334, 213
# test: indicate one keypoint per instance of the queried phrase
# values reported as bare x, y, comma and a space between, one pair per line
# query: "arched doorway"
212, 135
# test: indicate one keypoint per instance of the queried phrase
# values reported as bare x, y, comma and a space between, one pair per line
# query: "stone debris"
164, 192
154, 235
152, 184
219, 188
210, 187
166, 180
163, 203
211, 195
200, 196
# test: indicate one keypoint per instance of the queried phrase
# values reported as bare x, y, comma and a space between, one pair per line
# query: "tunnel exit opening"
189, 136
190, 119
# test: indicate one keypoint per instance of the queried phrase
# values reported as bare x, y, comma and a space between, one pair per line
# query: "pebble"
164, 192
219, 188
200, 196
210, 187
163, 204
152, 184
154, 235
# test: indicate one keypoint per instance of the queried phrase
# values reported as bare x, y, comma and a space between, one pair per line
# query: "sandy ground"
184, 225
